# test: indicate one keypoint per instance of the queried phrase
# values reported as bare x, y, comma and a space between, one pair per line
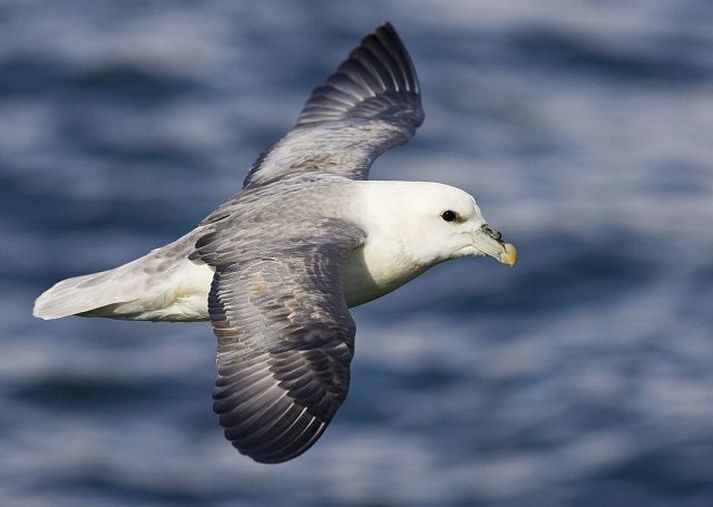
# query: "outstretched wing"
285, 338
372, 103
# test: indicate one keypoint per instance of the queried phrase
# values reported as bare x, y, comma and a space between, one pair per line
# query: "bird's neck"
375, 269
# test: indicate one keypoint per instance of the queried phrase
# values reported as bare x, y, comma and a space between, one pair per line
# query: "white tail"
162, 285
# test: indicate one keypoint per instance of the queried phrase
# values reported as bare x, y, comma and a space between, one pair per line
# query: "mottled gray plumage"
285, 335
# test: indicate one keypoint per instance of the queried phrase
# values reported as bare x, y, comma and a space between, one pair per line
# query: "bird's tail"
79, 295
161, 285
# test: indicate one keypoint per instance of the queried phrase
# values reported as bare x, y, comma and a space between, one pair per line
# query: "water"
581, 377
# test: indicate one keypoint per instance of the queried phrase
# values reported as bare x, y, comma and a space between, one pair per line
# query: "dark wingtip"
379, 66
386, 26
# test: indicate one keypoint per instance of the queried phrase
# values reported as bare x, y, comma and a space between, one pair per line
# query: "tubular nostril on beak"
491, 232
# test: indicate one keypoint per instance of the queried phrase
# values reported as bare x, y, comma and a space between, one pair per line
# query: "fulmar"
276, 267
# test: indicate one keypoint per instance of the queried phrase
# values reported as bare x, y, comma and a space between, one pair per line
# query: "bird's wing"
285, 336
370, 104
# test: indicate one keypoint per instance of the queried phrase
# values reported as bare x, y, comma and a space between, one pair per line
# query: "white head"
434, 222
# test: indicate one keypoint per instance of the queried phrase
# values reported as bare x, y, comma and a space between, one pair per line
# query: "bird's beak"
488, 240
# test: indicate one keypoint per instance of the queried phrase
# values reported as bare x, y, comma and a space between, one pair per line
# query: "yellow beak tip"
509, 256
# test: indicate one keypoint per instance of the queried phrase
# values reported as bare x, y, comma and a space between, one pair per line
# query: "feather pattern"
285, 335
370, 104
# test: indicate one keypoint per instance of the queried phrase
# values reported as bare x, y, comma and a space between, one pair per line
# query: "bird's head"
435, 222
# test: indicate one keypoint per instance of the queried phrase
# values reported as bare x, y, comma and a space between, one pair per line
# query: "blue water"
583, 376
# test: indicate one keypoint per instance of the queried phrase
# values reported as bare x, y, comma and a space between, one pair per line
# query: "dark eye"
449, 215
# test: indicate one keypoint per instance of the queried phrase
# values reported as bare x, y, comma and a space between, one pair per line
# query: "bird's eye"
449, 215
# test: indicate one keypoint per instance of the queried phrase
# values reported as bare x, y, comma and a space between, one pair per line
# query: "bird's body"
276, 267
167, 285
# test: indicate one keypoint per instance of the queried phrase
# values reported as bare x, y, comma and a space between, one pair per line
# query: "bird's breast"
375, 269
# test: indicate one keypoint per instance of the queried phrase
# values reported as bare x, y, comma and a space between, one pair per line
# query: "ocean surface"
581, 377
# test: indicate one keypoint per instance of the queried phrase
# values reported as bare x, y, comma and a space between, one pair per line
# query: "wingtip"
386, 26
379, 65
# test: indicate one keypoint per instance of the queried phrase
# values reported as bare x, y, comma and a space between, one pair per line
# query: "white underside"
185, 295
182, 296
179, 292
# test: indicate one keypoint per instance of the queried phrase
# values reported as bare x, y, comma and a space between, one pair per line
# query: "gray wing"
372, 103
285, 337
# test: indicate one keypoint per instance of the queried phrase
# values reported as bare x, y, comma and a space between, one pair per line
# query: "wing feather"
285, 337
370, 104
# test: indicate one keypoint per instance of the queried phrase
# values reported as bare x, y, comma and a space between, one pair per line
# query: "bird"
276, 268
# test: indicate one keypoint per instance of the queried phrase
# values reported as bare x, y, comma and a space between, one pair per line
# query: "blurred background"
583, 376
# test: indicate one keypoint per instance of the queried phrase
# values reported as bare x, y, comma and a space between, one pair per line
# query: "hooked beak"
488, 240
